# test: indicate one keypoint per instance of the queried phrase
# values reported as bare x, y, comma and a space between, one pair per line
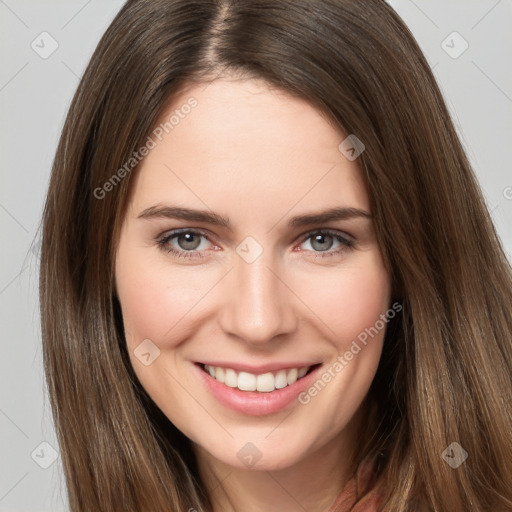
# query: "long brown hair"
445, 371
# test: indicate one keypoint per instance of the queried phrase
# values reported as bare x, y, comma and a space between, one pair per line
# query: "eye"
322, 241
183, 244
188, 243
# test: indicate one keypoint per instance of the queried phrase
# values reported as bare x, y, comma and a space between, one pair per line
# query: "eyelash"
164, 240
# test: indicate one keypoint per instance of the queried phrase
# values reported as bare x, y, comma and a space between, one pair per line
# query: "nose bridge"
258, 307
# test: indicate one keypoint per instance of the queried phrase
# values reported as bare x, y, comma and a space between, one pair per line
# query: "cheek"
350, 299
153, 300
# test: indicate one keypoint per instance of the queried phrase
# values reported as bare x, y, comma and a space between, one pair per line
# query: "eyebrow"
208, 217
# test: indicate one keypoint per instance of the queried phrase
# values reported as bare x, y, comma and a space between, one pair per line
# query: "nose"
258, 305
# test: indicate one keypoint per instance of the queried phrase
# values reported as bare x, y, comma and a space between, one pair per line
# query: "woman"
269, 280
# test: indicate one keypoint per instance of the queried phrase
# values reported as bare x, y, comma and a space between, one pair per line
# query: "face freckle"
236, 178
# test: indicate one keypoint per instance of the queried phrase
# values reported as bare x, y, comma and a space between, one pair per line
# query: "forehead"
246, 147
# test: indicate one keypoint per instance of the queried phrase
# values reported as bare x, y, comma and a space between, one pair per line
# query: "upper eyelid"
329, 231
178, 231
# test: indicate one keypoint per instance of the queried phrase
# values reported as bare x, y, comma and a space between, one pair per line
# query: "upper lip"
259, 369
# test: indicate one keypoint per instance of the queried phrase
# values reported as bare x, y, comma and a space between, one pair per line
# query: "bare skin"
258, 157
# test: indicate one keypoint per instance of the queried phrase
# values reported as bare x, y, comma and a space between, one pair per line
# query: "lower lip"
256, 403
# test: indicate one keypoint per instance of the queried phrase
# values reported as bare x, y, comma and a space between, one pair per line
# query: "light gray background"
34, 96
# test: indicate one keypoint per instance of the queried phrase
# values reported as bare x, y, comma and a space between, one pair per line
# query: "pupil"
321, 239
189, 237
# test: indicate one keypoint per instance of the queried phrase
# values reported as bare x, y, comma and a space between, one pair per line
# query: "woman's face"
219, 263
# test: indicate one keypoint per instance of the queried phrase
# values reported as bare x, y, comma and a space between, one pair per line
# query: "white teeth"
266, 382
303, 372
246, 381
218, 373
230, 378
280, 379
292, 376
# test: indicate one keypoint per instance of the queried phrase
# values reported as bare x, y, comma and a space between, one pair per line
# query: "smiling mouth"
264, 383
